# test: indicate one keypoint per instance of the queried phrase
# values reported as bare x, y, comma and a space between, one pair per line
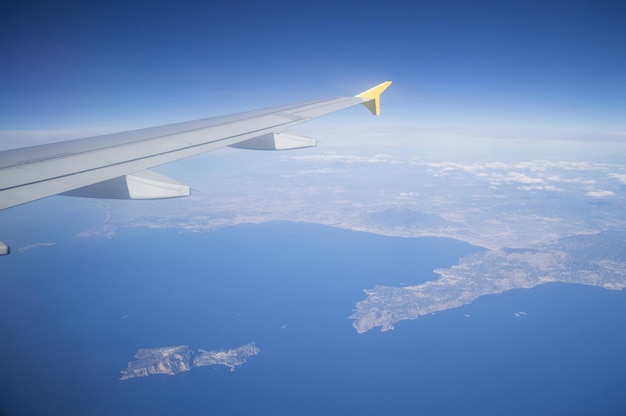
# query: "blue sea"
73, 315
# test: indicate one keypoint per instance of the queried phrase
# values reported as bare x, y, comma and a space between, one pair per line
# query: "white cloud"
496, 165
549, 188
343, 158
319, 171
601, 194
522, 178
619, 176
557, 178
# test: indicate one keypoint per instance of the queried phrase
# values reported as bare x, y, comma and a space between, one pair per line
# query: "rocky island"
177, 359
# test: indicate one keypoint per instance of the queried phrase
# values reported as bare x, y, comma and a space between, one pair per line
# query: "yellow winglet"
371, 97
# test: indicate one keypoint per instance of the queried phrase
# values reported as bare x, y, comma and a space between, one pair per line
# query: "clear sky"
500, 65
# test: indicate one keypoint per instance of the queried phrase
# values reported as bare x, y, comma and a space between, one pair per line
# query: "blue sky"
508, 65
509, 75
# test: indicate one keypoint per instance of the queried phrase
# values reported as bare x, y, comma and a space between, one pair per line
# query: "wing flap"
141, 185
276, 141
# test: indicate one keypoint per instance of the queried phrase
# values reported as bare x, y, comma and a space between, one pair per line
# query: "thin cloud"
619, 176
549, 188
601, 194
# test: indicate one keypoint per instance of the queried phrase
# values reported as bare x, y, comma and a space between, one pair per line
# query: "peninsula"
593, 259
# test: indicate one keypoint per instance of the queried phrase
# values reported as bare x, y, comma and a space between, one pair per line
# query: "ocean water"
73, 315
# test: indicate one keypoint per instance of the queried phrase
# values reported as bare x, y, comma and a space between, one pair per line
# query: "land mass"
492, 204
177, 359
596, 260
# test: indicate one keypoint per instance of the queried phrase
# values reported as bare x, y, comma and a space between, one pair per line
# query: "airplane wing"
116, 165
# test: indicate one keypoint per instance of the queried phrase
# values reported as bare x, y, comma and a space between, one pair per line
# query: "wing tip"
371, 97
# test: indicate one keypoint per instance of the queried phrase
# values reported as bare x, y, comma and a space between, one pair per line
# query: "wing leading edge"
116, 165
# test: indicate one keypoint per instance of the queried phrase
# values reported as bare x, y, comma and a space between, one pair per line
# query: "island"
593, 259
177, 359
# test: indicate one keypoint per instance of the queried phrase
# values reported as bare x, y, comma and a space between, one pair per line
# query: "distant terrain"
540, 220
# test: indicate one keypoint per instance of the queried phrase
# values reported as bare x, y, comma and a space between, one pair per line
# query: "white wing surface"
116, 165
